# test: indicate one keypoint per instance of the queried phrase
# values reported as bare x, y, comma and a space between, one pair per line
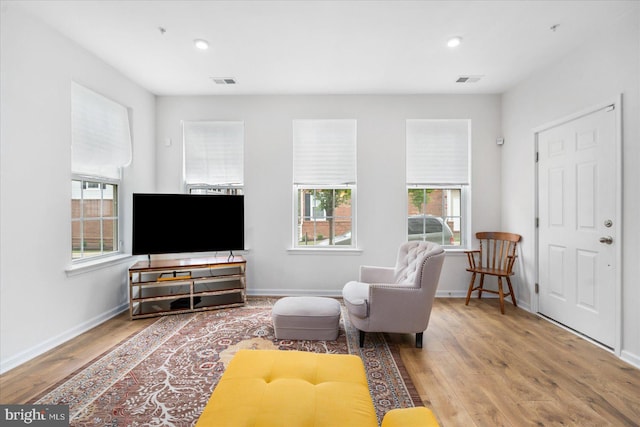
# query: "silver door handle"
608, 240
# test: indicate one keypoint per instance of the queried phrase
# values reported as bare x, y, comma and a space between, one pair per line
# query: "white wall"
604, 67
381, 199
40, 305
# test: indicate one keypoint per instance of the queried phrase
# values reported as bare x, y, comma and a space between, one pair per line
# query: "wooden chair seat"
496, 257
490, 271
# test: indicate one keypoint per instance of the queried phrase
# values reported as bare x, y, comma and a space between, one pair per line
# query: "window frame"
464, 217
299, 217
117, 229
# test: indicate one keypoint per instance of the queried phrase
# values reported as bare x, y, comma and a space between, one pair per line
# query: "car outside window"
435, 215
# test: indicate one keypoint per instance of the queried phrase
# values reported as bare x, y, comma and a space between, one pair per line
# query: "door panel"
576, 196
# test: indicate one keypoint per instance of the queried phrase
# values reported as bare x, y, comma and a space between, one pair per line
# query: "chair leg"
513, 298
361, 339
419, 339
473, 279
501, 293
481, 287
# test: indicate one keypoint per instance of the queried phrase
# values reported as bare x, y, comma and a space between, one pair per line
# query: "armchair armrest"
389, 301
369, 274
510, 261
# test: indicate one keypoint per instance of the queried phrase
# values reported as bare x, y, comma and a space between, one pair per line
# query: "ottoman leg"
361, 339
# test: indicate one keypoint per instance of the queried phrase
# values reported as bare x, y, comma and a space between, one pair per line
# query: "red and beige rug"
164, 375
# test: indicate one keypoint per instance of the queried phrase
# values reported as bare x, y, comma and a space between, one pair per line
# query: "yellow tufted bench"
269, 388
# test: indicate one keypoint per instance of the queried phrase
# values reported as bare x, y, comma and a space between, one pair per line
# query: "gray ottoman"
306, 318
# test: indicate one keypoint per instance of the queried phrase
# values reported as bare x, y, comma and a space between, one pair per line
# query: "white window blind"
438, 151
214, 152
101, 137
324, 152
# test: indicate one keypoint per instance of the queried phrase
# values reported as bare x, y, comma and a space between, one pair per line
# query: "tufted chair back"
411, 255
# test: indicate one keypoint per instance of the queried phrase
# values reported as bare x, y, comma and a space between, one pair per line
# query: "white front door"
579, 223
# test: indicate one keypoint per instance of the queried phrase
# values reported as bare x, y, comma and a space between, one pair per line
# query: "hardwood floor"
477, 368
481, 368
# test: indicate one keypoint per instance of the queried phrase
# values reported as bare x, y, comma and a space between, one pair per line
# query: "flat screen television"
179, 223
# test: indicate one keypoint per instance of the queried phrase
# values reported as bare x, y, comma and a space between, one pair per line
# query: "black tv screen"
178, 223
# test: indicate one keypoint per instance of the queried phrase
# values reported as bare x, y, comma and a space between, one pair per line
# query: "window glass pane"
109, 207
110, 234
76, 239
94, 222
435, 215
90, 206
324, 217
91, 237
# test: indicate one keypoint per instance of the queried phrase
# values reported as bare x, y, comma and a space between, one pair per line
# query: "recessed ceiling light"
201, 44
454, 41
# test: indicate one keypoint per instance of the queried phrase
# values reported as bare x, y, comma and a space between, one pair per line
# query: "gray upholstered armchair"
396, 300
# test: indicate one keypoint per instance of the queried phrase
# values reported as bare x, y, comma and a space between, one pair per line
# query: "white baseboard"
451, 294
43, 347
294, 293
630, 358
338, 293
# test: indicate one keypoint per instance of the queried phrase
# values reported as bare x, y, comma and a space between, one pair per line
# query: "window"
438, 181
101, 147
214, 157
94, 218
434, 215
324, 216
324, 160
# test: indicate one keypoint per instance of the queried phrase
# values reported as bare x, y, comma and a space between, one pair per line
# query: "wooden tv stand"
161, 287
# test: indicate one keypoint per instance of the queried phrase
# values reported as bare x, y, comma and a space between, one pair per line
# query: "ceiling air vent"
468, 79
224, 80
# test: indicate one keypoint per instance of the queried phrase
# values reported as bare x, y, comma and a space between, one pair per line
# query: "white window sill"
354, 251
82, 267
324, 250
456, 250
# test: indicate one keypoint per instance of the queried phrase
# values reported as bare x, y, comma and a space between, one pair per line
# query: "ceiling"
328, 47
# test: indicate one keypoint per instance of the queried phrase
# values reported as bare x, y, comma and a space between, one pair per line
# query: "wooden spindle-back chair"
496, 257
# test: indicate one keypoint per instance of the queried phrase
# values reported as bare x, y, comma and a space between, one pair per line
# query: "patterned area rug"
164, 375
